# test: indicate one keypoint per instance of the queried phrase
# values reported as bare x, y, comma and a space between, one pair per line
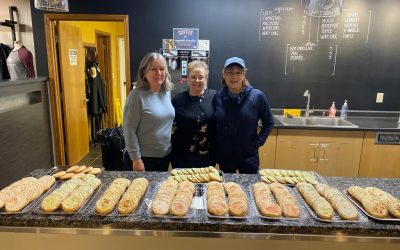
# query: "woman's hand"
138, 165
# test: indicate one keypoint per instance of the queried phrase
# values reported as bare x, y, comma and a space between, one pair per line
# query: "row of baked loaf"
224, 198
173, 198
20, 193
131, 193
286, 203
376, 202
71, 195
324, 200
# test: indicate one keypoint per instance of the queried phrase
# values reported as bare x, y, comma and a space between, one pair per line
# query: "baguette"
320, 205
343, 206
106, 203
371, 204
286, 200
263, 198
130, 200
215, 197
391, 203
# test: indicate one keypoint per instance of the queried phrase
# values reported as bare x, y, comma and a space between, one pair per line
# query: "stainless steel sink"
315, 121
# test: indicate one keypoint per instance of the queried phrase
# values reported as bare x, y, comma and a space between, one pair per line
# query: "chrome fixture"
315, 121
52, 5
323, 8
308, 95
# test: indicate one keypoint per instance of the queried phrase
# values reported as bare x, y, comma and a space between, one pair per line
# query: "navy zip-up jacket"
237, 119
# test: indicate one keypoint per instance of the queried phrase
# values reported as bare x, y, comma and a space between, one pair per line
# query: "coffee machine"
178, 61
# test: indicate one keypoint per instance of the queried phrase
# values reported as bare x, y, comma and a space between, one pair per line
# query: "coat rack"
11, 23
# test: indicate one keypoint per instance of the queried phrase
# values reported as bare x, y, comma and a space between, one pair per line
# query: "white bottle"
344, 111
332, 110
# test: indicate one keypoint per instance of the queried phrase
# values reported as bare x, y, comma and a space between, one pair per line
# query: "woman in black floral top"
194, 130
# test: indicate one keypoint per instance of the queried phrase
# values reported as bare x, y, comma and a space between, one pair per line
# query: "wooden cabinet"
330, 153
267, 151
379, 160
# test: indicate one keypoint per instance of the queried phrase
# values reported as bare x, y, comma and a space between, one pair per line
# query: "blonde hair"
198, 64
144, 67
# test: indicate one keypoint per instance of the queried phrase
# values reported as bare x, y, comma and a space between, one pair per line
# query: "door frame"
50, 21
119, 79
108, 117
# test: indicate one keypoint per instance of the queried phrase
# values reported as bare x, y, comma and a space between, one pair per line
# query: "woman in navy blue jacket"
238, 109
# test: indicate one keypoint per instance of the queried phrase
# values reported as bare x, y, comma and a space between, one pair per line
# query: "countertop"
201, 224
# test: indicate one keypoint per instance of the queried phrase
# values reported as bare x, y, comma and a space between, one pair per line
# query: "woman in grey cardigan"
149, 115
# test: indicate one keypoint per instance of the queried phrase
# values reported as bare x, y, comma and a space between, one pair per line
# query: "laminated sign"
186, 38
73, 57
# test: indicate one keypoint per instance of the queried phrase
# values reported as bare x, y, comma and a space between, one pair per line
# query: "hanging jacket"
97, 103
4, 53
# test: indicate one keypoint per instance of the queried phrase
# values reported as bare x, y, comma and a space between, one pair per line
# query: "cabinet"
379, 160
267, 151
330, 153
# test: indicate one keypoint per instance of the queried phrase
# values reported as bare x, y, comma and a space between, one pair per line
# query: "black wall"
334, 70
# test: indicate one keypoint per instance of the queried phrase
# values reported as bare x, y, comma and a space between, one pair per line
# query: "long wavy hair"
144, 67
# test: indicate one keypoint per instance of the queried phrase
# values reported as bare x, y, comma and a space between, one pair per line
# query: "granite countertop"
200, 222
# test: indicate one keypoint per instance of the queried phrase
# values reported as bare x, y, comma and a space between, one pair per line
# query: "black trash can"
112, 148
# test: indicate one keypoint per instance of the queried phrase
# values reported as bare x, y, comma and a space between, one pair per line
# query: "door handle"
314, 157
324, 146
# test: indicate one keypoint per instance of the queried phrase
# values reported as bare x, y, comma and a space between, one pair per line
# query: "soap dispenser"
344, 111
332, 110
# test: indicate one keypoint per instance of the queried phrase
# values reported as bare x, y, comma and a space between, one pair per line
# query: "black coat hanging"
97, 103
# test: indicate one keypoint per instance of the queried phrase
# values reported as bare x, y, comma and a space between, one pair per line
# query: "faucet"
308, 95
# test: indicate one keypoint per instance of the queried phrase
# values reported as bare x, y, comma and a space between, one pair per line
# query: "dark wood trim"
109, 117
93, 45
117, 37
103, 33
50, 20
86, 17
54, 89
127, 55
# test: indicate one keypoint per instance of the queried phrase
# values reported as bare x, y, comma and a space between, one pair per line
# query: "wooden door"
72, 78
339, 159
296, 155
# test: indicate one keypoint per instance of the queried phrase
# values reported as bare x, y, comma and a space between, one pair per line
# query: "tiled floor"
93, 158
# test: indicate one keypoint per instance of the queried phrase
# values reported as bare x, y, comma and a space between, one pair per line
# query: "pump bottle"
332, 110
344, 111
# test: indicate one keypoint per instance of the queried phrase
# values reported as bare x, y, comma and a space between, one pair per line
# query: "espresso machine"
178, 61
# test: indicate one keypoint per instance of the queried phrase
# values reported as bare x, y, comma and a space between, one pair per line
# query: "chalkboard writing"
312, 31
350, 56
354, 50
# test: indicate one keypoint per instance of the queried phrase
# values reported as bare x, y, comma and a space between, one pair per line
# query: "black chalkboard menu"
350, 56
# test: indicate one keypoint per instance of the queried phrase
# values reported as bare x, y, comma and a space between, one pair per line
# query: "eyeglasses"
234, 73
194, 78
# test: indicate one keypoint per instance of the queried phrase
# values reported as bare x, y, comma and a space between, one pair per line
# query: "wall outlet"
379, 97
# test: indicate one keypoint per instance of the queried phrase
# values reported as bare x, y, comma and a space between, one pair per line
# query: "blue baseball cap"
235, 60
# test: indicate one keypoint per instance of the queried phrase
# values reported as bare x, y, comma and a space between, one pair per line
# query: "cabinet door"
267, 151
339, 159
380, 161
296, 155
